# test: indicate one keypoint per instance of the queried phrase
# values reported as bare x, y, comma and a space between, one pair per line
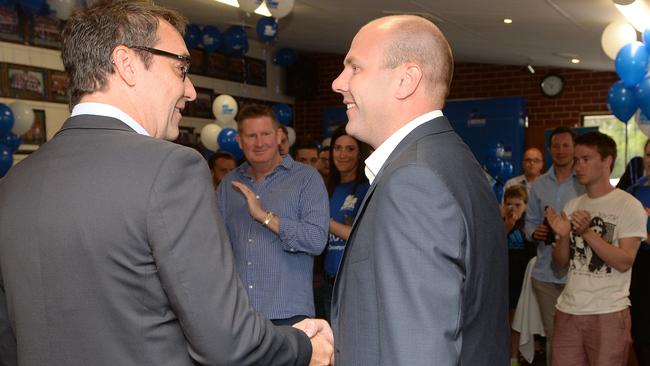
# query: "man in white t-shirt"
598, 235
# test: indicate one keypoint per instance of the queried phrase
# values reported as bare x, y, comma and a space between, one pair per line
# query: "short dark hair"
560, 130
305, 145
254, 111
91, 35
220, 155
334, 177
605, 145
516, 191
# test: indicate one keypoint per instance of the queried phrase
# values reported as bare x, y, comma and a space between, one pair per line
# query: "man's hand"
254, 207
540, 233
580, 219
322, 340
559, 223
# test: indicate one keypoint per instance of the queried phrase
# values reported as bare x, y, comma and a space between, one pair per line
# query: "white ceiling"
543, 32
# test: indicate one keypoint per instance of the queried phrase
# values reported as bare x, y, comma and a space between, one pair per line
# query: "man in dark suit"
111, 248
424, 276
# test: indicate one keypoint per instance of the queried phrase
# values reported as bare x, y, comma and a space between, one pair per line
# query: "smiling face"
345, 152
161, 110
561, 149
367, 85
259, 138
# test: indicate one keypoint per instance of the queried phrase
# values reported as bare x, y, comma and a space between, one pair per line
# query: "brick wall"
585, 92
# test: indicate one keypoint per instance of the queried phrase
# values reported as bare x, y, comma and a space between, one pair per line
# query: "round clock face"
552, 85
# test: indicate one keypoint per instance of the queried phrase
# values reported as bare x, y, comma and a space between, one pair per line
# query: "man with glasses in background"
533, 164
129, 262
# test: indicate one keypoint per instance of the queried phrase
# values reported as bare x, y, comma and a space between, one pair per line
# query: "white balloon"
249, 6
224, 108
23, 117
279, 8
209, 135
615, 36
228, 124
64, 8
326, 141
291, 135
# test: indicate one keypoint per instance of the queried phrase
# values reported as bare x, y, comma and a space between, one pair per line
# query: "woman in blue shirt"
347, 185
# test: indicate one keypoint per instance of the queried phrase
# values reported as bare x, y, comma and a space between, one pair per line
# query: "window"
610, 125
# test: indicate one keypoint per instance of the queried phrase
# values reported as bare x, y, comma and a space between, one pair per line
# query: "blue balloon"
211, 39
267, 29
285, 57
283, 113
498, 189
642, 95
506, 170
646, 37
31, 6
493, 165
235, 40
10, 140
621, 101
632, 63
6, 160
6, 118
192, 36
227, 142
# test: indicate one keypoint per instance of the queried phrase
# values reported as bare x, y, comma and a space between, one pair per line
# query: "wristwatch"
267, 218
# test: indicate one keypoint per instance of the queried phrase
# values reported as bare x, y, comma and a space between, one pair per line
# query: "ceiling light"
637, 14
507, 20
575, 60
261, 10
530, 68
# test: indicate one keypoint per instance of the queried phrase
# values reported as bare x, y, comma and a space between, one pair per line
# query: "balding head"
397, 69
415, 39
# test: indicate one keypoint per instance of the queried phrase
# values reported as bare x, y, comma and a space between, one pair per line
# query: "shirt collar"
107, 110
377, 159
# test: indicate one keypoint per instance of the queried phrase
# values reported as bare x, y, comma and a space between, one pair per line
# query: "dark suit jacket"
112, 252
424, 278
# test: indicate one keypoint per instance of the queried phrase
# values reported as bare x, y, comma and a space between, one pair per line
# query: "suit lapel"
435, 126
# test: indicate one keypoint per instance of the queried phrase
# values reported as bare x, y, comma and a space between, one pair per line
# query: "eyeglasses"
185, 59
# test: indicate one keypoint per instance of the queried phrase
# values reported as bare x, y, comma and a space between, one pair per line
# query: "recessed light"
507, 20
575, 60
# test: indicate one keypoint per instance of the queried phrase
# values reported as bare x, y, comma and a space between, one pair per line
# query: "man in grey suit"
423, 279
111, 248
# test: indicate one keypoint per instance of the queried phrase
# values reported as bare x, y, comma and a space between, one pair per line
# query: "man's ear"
411, 76
124, 64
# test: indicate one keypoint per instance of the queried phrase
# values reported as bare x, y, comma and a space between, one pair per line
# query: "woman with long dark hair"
347, 185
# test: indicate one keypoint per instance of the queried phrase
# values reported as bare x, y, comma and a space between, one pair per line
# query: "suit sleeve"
308, 233
8, 346
419, 269
196, 268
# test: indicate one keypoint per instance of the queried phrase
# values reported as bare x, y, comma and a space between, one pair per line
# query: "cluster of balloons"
234, 41
496, 164
283, 113
15, 120
632, 92
221, 134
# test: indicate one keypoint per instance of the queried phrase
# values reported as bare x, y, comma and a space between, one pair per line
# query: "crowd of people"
117, 247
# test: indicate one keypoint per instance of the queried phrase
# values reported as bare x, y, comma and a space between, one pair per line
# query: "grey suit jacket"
423, 280
112, 252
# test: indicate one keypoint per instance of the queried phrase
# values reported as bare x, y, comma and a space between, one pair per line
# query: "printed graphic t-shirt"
593, 287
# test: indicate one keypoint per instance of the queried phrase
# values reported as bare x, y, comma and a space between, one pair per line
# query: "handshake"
322, 341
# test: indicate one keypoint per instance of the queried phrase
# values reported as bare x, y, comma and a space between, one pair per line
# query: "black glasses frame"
154, 51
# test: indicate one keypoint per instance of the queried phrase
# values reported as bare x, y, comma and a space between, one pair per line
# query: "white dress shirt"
377, 159
107, 110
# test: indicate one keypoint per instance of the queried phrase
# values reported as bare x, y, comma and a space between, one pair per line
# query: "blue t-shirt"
344, 205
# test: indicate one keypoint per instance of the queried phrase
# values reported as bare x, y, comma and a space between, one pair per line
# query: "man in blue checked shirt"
276, 212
